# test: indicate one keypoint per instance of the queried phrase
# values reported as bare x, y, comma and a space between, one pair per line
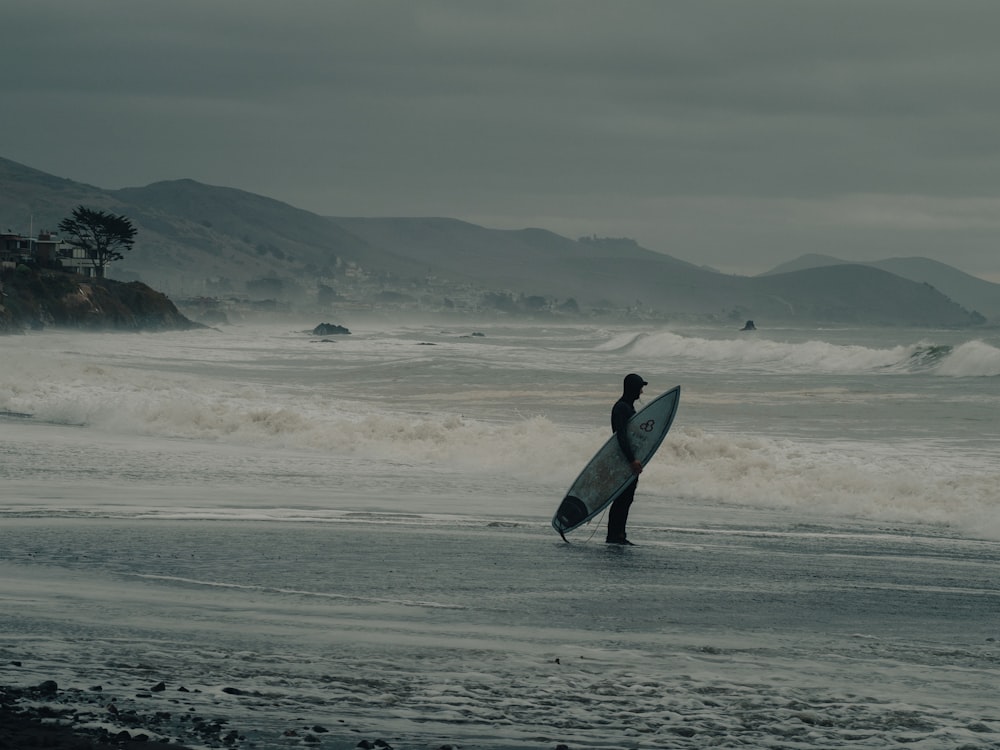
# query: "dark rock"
158, 688
749, 326
47, 689
328, 329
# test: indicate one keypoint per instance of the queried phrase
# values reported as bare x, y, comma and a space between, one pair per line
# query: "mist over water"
379, 503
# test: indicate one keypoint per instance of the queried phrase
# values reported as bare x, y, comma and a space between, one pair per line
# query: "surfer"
621, 413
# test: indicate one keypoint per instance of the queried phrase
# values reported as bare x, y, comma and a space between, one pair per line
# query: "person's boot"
618, 540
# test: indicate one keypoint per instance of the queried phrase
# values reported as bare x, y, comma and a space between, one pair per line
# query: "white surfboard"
607, 474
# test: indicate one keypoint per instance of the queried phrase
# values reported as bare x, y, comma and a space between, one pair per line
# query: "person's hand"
636, 466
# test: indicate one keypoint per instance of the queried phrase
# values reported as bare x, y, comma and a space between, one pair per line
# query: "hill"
201, 240
971, 292
860, 294
601, 272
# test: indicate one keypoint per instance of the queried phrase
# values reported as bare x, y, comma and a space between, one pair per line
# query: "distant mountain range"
196, 239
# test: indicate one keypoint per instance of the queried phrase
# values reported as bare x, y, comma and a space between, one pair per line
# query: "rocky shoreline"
47, 715
43, 716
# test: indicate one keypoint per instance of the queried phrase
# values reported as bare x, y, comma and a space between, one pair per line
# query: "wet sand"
424, 634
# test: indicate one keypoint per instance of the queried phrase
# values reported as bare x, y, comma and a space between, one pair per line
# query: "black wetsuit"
621, 413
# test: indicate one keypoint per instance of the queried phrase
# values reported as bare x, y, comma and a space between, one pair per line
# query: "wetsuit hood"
632, 386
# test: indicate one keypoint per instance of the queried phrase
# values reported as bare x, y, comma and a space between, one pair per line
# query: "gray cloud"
738, 134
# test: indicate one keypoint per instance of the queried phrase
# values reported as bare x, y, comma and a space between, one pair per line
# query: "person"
621, 413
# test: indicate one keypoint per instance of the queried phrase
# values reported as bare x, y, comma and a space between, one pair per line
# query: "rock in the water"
327, 329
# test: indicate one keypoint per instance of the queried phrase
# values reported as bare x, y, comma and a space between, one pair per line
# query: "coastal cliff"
35, 299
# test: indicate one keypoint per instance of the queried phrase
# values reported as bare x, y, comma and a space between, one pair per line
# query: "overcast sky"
738, 134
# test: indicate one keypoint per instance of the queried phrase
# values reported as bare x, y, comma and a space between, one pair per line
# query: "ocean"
326, 540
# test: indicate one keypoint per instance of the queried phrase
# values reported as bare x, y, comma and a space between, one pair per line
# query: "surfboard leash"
598, 524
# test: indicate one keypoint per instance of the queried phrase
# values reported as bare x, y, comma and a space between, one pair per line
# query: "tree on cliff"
102, 236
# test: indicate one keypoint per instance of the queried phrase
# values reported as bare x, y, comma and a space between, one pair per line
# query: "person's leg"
618, 515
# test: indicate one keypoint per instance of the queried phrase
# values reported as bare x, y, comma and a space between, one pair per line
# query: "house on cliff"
16, 248
44, 249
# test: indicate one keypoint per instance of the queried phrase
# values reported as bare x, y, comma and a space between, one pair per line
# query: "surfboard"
607, 474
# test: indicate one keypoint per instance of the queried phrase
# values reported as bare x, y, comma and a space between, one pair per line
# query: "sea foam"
897, 483
912, 479
970, 359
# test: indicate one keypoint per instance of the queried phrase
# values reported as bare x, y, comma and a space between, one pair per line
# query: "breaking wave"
970, 359
924, 481
850, 479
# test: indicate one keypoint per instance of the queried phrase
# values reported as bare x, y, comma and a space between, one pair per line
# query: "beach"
291, 535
